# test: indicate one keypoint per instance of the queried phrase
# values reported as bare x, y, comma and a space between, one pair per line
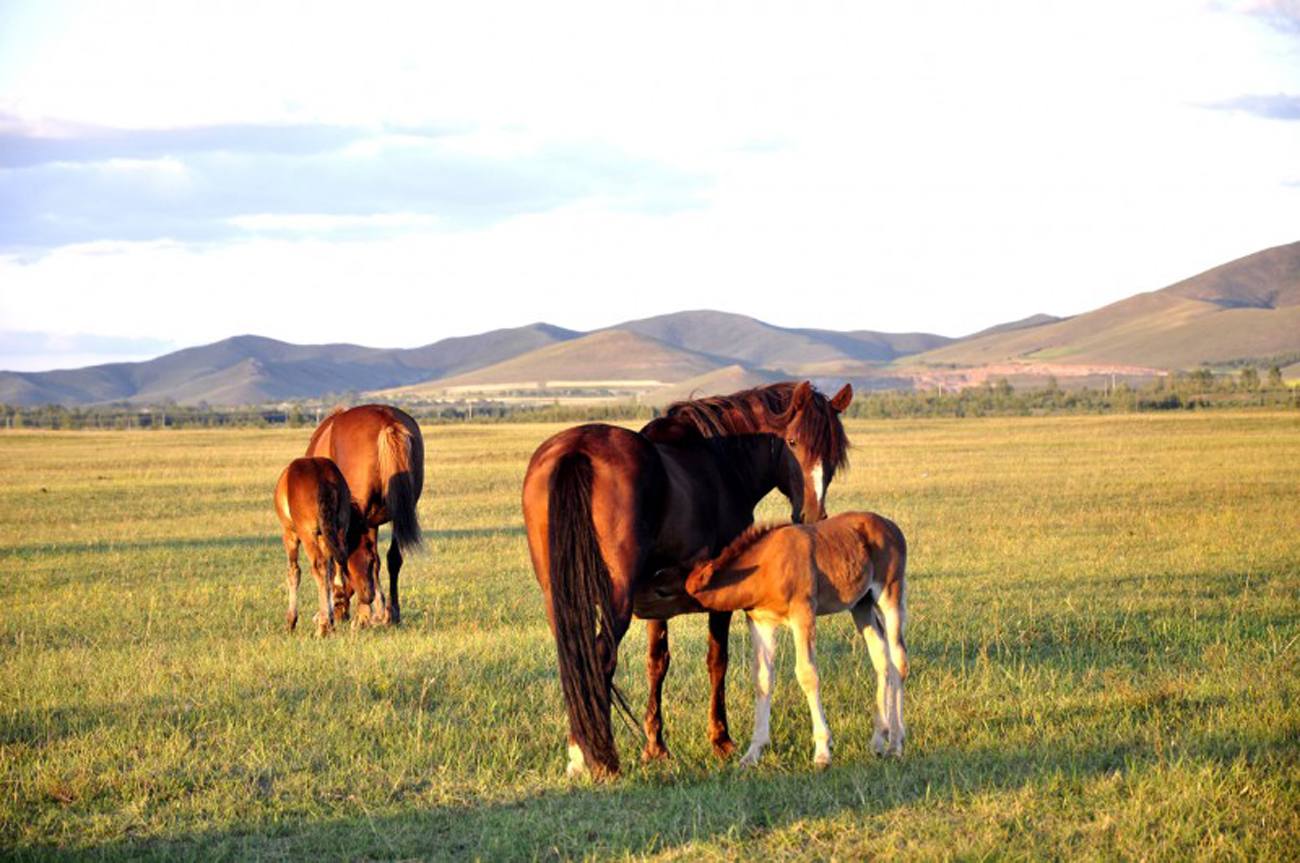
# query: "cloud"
1279, 106
31, 351
1283, 15
228, 182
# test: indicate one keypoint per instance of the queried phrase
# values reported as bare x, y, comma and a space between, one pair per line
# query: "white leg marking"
806, 670
762, 637
577, 763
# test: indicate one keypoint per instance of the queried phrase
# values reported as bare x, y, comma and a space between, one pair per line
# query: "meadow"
1104, 636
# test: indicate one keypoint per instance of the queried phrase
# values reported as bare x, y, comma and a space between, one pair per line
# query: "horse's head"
363, 557
815, 446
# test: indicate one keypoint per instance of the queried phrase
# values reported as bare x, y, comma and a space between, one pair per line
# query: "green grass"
1105, 642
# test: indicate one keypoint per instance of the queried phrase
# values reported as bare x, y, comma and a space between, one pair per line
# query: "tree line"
1200, 389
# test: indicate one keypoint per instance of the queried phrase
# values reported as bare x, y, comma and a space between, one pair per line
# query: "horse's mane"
738, 546
765, 410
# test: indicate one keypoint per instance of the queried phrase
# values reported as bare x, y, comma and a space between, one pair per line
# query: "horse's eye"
792, 441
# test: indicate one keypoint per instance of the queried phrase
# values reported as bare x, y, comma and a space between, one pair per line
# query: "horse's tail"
401, 454
582, 610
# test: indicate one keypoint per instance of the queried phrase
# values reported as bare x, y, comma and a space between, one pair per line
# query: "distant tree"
1275, 381
1248, 379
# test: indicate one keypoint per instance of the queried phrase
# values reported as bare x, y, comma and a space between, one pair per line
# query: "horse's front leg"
805, 646
657, 660
719, 630
762, 637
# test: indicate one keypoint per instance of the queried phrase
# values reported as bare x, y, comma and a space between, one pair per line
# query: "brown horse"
607, 510
791, 574
381, 453
316, 512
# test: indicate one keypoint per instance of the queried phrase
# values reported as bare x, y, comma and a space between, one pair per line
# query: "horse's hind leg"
762, 637
657, 660
294, 576
870, 626
322, 567
874, 626
393, 611
805, 645
892, 607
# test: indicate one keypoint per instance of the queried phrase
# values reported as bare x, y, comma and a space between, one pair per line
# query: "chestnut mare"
316, 512
381, 453
607, 510
791, 574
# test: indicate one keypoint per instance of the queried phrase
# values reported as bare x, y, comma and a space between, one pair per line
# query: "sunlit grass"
1105, 638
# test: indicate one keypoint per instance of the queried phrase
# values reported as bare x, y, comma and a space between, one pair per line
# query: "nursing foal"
791, 574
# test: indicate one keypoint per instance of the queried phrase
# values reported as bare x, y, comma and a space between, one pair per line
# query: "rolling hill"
1246, 309
1249, 308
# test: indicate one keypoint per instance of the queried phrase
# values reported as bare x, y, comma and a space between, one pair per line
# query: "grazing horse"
381, 453
607, 510
316, 512
791, 574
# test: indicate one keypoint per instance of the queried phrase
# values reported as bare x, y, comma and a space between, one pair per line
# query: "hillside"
1242, 310
253, 369
1247, 308
608, 358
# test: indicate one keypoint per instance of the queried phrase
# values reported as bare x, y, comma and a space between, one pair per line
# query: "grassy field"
1105, 644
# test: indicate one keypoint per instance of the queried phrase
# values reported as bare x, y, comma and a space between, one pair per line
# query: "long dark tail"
401, 454
582, 605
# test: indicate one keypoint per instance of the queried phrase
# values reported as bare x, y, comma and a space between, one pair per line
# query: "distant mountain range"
1246, 309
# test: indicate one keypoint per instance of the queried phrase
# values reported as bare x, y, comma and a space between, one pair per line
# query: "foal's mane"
767, 409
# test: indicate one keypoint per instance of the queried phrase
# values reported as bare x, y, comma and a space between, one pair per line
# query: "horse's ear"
842, 399
802, 394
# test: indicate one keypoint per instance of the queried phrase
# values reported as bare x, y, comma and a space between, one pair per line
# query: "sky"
391, 174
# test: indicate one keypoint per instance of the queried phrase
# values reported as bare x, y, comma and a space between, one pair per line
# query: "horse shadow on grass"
723, 810
713, 807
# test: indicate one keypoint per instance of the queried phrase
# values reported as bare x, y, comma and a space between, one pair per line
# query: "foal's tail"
327, 520
889, 557
582, 611
401, 456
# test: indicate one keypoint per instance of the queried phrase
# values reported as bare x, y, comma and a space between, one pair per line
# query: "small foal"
791, 574
316, 512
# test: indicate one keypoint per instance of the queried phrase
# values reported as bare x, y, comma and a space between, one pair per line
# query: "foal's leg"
892, 608
719, 634
294, 577
869, 625
656, 666
805, 645
762, 638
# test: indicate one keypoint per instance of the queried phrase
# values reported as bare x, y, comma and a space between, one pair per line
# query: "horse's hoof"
722, 749
394, 616
654, 752
821, 762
